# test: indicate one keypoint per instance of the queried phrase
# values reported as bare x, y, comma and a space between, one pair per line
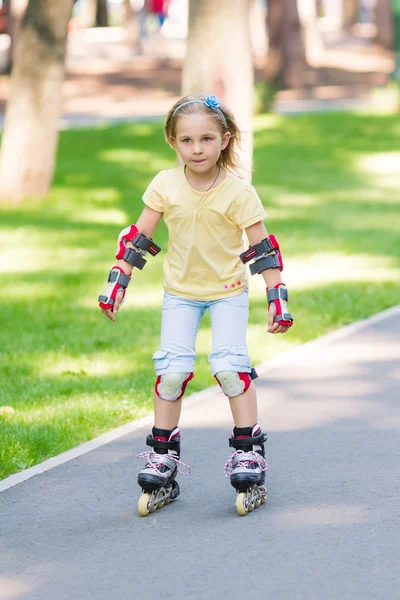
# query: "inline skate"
157, 479
246, 468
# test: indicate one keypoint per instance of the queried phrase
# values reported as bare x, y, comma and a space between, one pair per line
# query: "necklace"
209, 188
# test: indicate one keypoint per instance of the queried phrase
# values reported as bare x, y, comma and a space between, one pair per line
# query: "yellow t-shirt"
205, 233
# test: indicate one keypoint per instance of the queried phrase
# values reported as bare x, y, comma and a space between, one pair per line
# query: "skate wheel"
175, 491
167, 500
144, 505
264, 496
241, 504
250, 507
258, 502
160, 500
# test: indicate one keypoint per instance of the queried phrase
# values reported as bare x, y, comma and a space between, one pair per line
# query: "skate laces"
244, 462
150, 454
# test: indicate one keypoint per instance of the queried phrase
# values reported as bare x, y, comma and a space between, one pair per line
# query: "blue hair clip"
211, 101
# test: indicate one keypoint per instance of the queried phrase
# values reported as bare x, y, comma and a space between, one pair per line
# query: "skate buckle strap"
149, 454
247, 441
162, 444
254, 458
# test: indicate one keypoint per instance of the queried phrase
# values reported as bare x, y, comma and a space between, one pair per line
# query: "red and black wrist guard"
263, 260
279, 296
117, 280
143, 244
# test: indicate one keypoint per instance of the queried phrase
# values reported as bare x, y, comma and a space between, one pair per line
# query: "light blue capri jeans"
180, 323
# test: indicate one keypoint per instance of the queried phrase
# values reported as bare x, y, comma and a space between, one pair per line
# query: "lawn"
330, 184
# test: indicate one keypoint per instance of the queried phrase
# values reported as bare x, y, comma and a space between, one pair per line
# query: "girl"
206, 206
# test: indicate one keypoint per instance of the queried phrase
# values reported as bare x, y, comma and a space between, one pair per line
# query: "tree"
351, 13
31, 122
96, 13
286, 60
101, 13
308, 16
11, 12
396, 18
132, 25
219, 61
384, 23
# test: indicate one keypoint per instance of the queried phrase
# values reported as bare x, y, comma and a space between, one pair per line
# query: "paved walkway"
330, 528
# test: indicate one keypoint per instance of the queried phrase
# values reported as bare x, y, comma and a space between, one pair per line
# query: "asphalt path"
329, 530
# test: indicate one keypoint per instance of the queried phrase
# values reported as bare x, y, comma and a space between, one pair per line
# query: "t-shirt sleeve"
154, 195
246, 209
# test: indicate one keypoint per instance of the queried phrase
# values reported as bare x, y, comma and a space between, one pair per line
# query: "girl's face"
199, 141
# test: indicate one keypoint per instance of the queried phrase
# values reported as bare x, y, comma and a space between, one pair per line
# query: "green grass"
330, 186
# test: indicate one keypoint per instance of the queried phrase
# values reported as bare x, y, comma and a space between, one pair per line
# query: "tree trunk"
129, 12
294, 55
286, 62
101, 14
274, 27
219, 61
131, 23
16, 13
89, 11
351, 13
333, 10
31, 123
384, 23
314, 47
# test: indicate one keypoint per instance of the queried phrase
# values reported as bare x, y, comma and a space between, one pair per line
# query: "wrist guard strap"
146, 244
263, 260
279, 296
134, 258
117, 280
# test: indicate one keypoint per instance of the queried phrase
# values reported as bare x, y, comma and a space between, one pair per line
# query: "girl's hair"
228, 157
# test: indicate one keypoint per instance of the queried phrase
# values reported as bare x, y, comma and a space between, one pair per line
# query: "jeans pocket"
161, 360
239, 356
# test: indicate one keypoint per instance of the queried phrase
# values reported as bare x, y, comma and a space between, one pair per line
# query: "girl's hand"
108, 312
274, 327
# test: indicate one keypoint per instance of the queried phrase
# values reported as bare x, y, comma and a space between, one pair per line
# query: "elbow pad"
126, 235
143, 244
263, 260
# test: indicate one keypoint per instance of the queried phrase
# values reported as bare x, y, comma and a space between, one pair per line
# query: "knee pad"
233, 383
172, 386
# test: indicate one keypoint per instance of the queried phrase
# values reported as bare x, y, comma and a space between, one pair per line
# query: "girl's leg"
246, 465
244, 408
229, 319
166, 413
179, 325
174, 363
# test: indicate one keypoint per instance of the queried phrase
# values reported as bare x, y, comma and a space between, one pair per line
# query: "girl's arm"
272, 277
256, 233
146, 224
